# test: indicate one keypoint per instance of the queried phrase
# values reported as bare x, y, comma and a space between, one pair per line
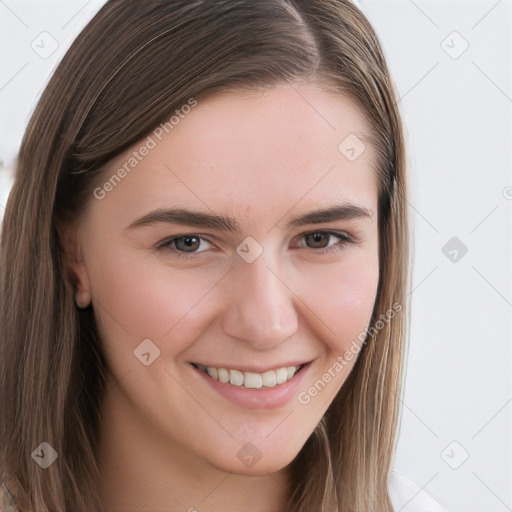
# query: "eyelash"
182, 255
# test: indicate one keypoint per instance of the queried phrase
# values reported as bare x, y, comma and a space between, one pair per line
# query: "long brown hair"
132, 66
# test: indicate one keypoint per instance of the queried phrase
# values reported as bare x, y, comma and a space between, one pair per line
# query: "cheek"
140, 297
343, 298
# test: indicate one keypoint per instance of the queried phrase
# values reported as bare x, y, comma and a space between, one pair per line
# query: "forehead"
292, 122
254, 151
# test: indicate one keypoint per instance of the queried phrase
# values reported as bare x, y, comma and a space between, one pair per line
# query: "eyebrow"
345, 211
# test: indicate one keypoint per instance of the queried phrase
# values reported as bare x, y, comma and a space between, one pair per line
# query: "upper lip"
253, 368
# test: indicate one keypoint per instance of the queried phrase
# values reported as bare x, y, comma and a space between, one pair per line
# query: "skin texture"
169, 442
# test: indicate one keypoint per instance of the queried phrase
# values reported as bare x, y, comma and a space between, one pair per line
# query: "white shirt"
406, 496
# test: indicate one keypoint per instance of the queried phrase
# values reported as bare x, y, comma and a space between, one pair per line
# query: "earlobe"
74, 266
82, 299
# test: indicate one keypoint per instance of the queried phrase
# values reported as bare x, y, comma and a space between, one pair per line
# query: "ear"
72, 260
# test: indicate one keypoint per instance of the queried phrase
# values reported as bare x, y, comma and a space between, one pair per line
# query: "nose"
261, 309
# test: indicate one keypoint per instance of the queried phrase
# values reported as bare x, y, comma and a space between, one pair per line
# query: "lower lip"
262, 398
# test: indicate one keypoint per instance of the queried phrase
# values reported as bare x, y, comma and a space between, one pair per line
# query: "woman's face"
244, 238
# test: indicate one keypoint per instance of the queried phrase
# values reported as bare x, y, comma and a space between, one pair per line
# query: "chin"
259, 469
270, 463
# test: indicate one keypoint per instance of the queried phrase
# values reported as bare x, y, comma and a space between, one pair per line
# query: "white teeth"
213, 373
290, 372
282, 375
269, 379
236, 378
223, 375
251, 380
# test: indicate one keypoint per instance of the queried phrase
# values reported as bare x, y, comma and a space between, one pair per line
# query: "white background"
457, 110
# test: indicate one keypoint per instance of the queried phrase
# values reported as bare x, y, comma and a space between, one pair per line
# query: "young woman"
204, 264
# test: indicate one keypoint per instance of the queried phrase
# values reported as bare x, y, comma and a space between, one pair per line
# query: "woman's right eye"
185, 246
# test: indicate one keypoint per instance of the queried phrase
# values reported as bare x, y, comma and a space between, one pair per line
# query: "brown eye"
325, 241
317, 240
187, 243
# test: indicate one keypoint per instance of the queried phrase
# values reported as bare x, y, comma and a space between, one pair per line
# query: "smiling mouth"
251, 380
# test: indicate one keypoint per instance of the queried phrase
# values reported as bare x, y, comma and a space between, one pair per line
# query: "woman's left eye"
188, 246
325, 241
